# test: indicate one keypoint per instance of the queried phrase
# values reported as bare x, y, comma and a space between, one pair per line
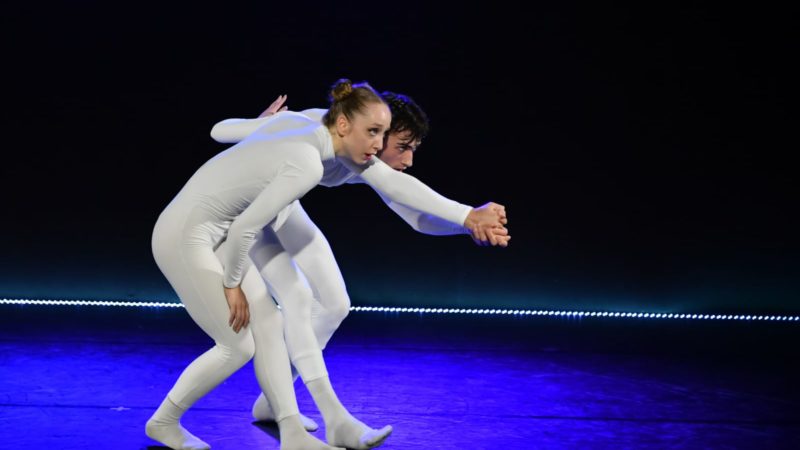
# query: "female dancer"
201, 243
204, 236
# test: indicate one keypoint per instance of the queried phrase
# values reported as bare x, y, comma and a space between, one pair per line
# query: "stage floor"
89, 377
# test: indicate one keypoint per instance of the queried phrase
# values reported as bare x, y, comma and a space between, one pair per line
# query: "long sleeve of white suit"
231, 131
405, 190
420, 221
300, 172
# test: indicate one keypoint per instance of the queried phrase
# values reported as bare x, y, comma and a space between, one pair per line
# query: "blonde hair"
348, 98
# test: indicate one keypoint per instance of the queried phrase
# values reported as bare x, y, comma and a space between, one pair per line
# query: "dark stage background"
642, 152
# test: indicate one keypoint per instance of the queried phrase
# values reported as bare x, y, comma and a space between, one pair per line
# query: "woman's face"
362, 137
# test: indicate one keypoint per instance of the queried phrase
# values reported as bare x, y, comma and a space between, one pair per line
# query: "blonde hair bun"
341, 89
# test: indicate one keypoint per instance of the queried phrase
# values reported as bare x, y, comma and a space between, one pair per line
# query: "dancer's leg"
268, 248
280, 274
308, 247
266, 324
295, 297
196, 275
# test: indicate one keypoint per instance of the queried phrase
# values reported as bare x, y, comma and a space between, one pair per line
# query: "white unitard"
202, 242
294, 240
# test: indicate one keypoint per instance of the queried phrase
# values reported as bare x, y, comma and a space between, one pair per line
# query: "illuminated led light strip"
528, 312
507, 312
6, 301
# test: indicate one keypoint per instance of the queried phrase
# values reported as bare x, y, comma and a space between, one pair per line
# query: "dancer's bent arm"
300, 172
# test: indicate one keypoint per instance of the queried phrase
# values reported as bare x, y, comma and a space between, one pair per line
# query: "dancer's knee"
338, 310
297, 303
266, 318
240, 352
274, 319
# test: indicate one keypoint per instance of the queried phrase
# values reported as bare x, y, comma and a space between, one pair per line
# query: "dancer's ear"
343, 125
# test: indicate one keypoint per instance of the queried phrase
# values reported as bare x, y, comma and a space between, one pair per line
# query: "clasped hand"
487, 225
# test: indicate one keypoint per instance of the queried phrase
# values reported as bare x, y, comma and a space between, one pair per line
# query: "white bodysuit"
295, 239
206, 237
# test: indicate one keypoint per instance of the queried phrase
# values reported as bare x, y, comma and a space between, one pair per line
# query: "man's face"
399, 150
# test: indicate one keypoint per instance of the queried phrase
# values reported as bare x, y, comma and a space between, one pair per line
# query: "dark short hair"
406, 116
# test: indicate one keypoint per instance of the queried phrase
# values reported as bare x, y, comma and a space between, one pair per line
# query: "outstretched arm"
231, 131
407, 191
422, 222
430, 224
